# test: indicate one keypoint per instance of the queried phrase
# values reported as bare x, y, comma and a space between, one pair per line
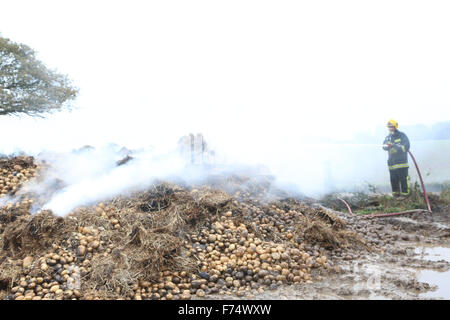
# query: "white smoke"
258, 96
87, 176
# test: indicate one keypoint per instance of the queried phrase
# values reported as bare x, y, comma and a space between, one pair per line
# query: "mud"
410, 260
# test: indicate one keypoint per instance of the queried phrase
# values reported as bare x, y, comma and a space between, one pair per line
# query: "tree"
27, 85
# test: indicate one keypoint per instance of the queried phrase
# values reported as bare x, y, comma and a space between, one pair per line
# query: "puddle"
440, 279
440, 225
433, 253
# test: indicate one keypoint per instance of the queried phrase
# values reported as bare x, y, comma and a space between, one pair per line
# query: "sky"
255, 77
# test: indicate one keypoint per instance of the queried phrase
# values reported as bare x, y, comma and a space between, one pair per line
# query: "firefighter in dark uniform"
397, 146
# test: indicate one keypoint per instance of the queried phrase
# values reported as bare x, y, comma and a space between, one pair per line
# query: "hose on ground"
403, 212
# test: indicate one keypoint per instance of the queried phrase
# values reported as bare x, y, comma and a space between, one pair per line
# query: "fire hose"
403, 212
348, 207
421, 182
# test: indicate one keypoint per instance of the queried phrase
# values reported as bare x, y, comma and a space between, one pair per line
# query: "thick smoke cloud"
280, 86
88, 175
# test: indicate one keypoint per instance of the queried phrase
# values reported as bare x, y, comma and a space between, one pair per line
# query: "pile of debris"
14, 172
168, 242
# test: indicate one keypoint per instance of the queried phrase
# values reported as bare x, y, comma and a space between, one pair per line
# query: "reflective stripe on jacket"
398, 153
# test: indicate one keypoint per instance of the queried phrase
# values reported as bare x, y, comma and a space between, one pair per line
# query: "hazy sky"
277, 71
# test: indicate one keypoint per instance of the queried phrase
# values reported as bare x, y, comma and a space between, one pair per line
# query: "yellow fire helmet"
392, 123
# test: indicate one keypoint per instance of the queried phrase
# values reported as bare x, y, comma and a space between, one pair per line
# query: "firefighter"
397, 146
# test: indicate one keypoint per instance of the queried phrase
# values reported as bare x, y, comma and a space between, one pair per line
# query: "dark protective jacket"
398, 152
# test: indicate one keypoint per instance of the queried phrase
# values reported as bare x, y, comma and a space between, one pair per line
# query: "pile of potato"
58, 274
11, 179
54, 275
109, 214
25, 204
244, 250
233, 261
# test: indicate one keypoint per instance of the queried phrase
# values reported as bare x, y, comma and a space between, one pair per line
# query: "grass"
445, 195
363, 203
389, 204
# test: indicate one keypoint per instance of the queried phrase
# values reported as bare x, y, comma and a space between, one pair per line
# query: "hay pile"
167, 242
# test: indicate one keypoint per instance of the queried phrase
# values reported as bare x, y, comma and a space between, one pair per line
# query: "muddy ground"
410, 260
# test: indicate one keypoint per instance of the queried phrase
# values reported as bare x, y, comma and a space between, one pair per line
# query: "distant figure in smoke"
397, 145
194, 150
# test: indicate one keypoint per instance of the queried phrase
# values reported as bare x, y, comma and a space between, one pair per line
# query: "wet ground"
436, 278
410, 260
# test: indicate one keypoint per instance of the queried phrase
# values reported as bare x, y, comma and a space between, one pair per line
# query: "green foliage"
26, 85
363, 203
388, 204
445, 195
